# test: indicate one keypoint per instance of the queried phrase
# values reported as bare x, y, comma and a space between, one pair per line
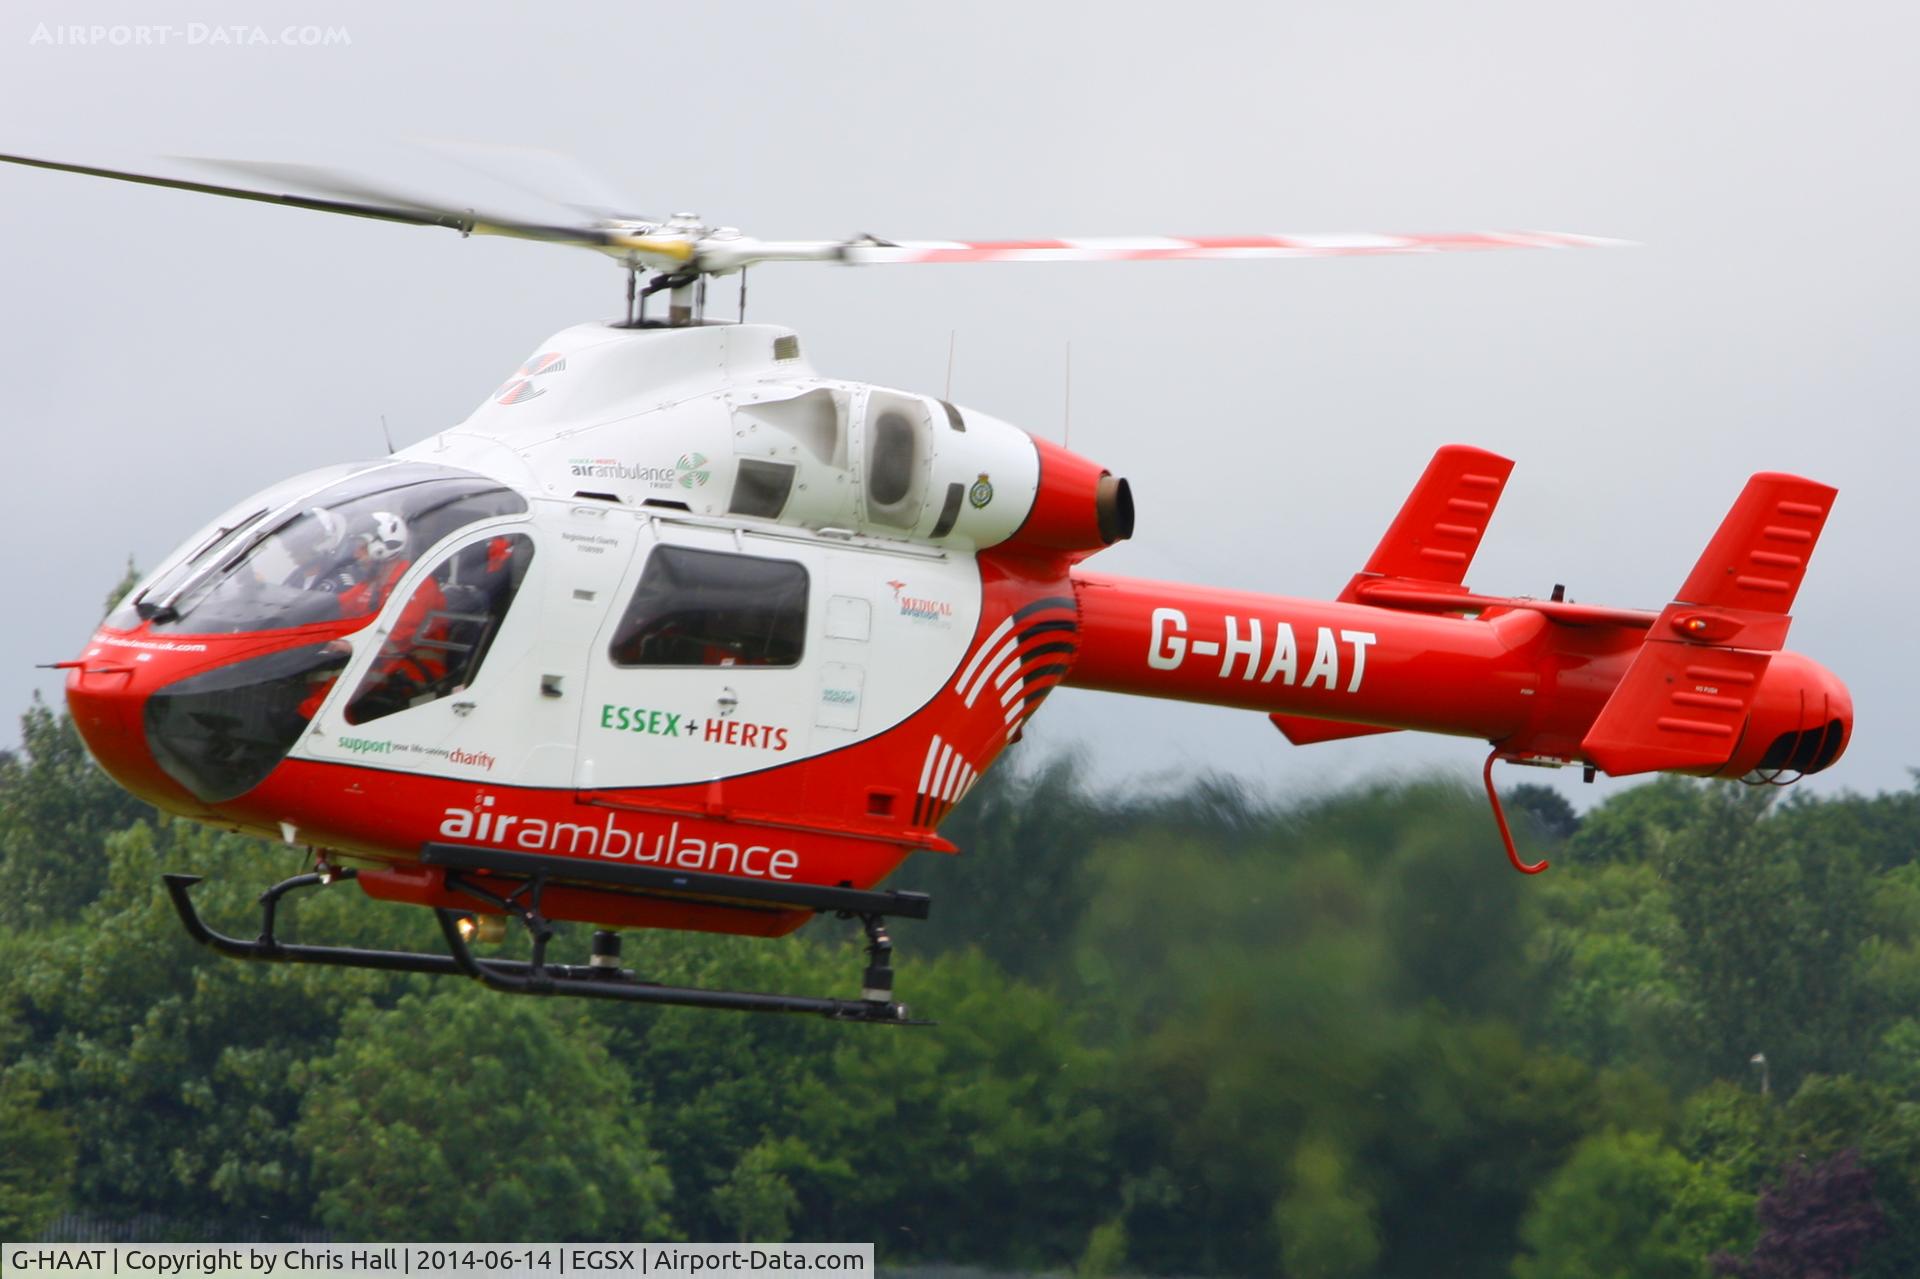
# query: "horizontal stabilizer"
1758, 556
1304, 730
1681, 706
1439, 527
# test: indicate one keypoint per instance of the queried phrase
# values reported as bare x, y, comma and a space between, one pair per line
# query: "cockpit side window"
707, 608
442, 634
330, 556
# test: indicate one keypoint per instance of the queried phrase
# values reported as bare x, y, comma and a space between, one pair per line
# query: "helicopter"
675, 632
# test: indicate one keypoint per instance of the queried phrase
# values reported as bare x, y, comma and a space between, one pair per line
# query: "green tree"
985, 1136
1326, 1224
1734, 1129
1636, 825
1771, 919
463, 1114
1017, 887
37, 1156
1545, 809
1605, 959
56, 810
1283, 988
757, 1201
1627, 1207
1001, 1113
181, 1059
1106, 1251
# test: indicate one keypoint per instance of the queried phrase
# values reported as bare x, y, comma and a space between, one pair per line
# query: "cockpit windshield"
321, 556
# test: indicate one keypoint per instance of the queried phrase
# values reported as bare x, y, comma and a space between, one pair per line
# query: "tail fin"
1430, 542
1438, 529
1759, 555
1685, 699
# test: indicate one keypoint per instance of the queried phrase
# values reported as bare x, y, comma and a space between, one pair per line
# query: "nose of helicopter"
1802, 721
106, 696
196, 725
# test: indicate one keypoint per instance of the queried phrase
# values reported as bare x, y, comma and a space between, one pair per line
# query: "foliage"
1191, 1031
1771, 919
1818, 1221
1327, 1225
756, 1201
1626, 1206
192, 1053
458, 1115
1636, 826
56, 810
37, 1158
1544, 808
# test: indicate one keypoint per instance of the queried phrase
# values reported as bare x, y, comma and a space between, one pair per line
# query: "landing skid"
603, 977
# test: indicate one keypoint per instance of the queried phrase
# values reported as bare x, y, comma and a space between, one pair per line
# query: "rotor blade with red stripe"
1224, 248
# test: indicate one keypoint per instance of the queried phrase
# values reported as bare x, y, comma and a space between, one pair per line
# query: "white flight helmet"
329, 529
388, 540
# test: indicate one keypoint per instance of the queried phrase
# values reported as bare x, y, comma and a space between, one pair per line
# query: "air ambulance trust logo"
691, 472
521, 386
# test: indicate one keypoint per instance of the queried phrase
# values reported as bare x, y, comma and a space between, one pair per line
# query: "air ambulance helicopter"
674, 631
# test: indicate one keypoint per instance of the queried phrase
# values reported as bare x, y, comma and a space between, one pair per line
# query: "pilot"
412, 661
318, 539
379, 560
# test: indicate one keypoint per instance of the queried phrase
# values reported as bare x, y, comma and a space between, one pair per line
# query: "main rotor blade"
410, 216
383, 206
1165, 248
564, 181
357, 192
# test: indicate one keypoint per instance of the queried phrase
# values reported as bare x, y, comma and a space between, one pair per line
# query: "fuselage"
669, 597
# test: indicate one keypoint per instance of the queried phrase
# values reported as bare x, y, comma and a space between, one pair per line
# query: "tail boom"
1701, 686
1533, 685
1308, 659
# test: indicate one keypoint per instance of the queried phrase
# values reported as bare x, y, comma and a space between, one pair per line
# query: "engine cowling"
1078, 505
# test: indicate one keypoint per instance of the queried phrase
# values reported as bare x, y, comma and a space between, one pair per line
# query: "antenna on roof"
1066, 407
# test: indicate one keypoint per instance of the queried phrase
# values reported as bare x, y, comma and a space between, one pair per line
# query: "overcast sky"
170, 353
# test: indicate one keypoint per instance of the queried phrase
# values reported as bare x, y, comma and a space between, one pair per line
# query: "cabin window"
891, 476
707, 608
331, 556
761, 488
441, 635
896, 458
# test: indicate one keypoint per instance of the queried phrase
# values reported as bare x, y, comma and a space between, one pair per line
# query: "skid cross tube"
557, 980
271, 950
521, 977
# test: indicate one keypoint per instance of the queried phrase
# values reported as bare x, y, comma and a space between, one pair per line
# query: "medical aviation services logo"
921, 608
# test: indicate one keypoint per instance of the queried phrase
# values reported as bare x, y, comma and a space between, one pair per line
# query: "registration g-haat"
858, 594
1270, 650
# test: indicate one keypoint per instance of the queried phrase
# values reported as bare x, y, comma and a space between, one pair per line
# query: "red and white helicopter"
676, 632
